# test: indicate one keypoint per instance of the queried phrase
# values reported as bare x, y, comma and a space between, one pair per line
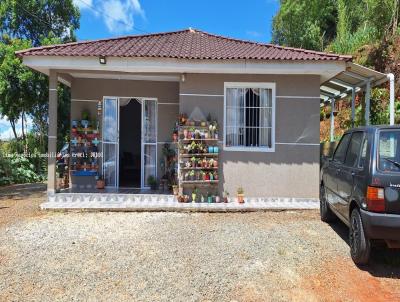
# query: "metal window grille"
248, 117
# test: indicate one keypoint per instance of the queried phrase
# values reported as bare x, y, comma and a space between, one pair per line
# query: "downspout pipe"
391, 98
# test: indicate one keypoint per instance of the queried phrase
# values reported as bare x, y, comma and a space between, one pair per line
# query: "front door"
111, 141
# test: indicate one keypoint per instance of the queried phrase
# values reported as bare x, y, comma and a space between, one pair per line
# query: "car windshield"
389, 151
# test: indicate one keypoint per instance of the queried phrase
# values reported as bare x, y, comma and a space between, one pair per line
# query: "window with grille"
249, 116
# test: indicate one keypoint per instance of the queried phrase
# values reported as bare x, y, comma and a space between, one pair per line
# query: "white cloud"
118, 15
83, 4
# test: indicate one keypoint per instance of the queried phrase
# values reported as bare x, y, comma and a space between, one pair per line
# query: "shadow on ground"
21, 191
384, 262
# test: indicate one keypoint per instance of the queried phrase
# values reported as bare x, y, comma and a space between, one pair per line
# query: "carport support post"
332, 134
367, 101
353, 106
52, 133
391, 103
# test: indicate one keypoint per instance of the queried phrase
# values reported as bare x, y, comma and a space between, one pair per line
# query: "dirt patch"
340, 280
22, 201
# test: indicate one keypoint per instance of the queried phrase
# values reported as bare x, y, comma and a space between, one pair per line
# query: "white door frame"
142, 143
115, 143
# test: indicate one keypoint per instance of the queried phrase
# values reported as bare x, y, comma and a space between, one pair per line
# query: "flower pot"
206, 135
193, 197
215, 164
240, 198
226, 199
203, 124
100, 184
175, 190
185, 132
209, 199
175, 137
217, 199
210, 149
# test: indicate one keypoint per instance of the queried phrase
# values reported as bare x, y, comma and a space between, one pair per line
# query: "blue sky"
249, 20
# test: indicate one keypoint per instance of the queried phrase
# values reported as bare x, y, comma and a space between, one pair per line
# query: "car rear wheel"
360, 245
325, 211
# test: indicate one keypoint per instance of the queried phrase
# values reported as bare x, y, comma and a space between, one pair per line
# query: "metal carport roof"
355, 78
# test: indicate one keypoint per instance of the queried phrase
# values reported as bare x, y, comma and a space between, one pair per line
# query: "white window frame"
261, 85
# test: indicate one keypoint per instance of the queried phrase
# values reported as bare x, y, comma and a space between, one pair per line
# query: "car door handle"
353, 173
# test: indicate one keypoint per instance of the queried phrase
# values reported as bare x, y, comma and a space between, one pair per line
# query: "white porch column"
367, 101
353, 106
52, 133
332, 129
391, 103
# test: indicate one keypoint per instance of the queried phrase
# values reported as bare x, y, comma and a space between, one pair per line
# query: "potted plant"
194, 194
152, 181
175, 136
240, 195
215, 175
217, 199
191, 174
181, 198
209, 197
185, 198
226, 196
175, 190
202, 198
193, 160
197, 134
100, 183
215, 163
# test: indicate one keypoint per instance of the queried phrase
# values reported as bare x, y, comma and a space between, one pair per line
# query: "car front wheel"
360, 245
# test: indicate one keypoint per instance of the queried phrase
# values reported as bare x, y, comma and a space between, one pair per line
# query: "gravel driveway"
269, 256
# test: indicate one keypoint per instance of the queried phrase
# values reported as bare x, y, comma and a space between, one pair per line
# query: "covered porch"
124, 128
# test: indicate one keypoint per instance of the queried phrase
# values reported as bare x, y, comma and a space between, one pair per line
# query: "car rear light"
375, 199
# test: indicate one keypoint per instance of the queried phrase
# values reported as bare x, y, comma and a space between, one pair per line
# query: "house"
264, 98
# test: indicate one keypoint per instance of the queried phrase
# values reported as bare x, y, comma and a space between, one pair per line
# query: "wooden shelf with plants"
198, 166
85, 138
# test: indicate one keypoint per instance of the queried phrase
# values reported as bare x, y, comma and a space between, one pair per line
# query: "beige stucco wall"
293, 169
83, 91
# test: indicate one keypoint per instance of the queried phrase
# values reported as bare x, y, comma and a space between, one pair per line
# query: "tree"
35, 20
15, 83
25, 24
306, 24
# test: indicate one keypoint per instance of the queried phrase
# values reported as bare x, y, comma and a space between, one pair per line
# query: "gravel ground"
265, 256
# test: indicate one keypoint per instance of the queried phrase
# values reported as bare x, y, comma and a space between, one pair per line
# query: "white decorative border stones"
160, 202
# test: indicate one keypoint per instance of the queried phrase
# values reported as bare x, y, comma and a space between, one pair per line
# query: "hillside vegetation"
367, 29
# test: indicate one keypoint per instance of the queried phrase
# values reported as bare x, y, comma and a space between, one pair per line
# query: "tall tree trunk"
23, 125
12, 123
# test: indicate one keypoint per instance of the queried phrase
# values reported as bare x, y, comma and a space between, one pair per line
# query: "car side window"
341, 149
354, 149
363, 155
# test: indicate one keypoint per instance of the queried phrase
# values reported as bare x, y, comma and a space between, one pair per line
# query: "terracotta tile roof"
184, 44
